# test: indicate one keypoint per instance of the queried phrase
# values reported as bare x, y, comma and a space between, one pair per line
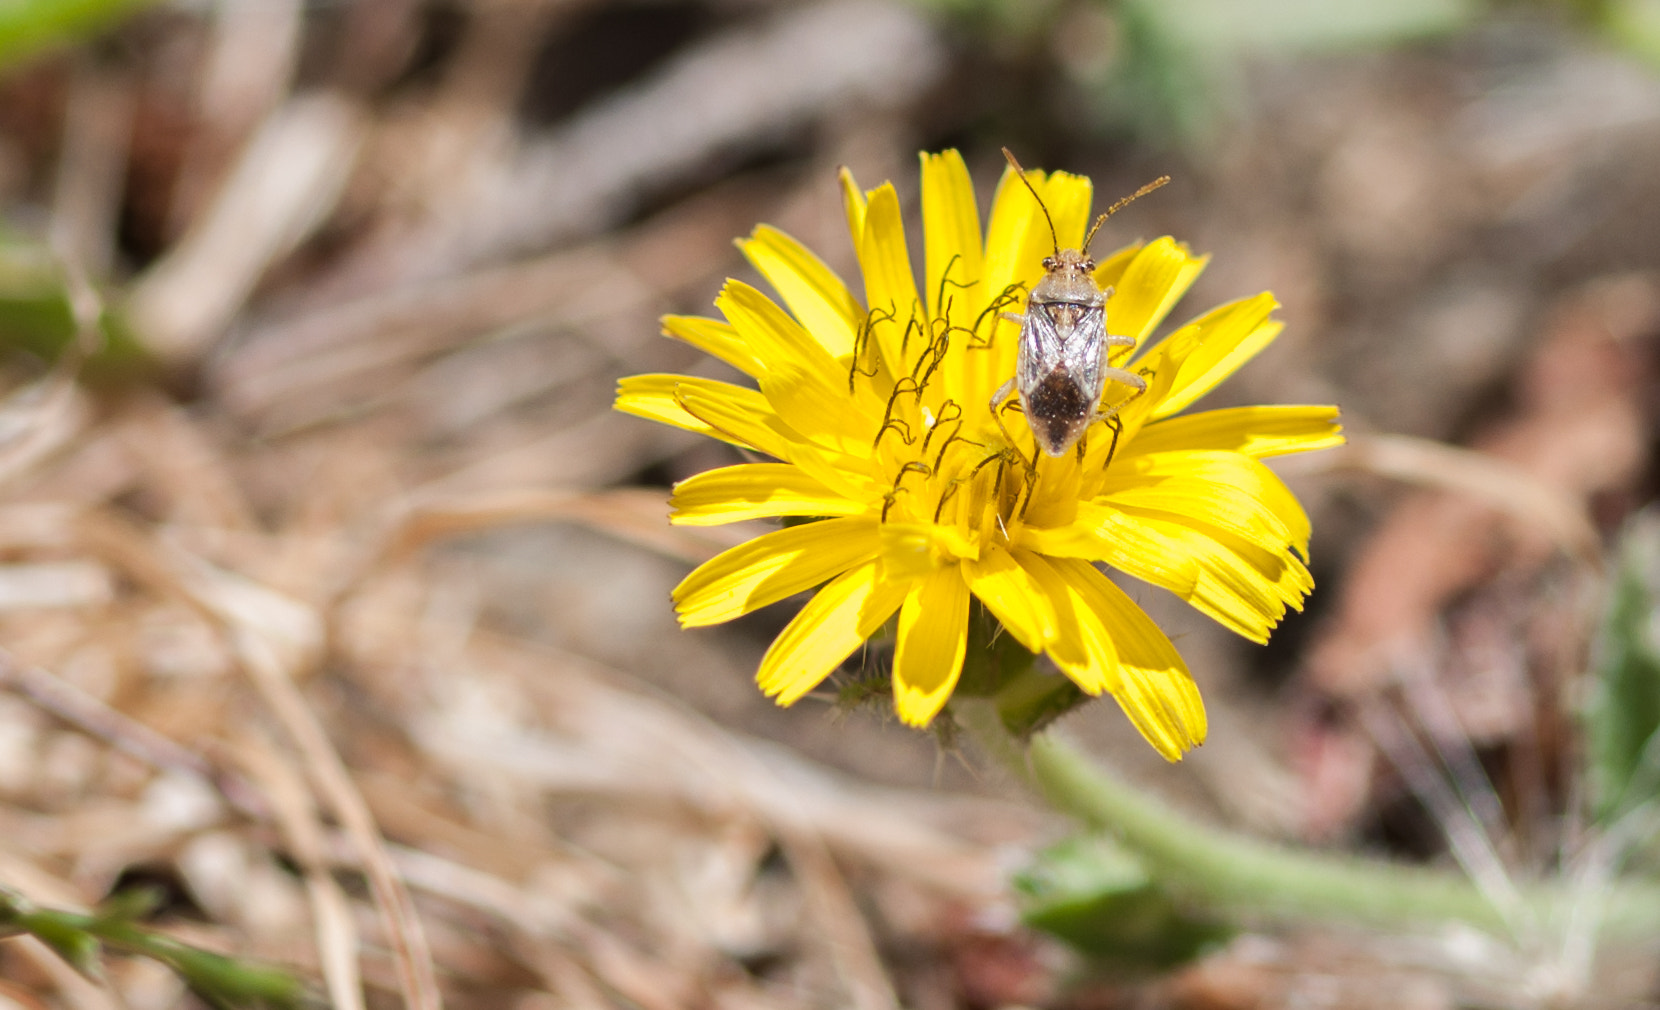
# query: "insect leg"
1128, 378
1110, 415
1018, 318
1116, 423
998, 400
1002, 394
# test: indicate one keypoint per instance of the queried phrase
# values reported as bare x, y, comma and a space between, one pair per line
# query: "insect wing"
1064, 337
1059, 371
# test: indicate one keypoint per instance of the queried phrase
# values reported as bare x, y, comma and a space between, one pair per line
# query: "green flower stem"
1234, 873
79, 939
29, 26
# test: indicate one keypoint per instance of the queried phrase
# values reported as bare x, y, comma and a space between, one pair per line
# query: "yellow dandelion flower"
877, 411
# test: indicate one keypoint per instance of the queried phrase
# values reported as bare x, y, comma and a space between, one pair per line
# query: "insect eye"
1048, 262
1089, 266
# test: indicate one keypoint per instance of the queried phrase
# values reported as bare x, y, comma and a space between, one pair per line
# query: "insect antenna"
1120, 205
1021, 172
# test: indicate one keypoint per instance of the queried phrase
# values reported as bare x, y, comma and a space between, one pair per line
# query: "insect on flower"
863, 414
1063, 363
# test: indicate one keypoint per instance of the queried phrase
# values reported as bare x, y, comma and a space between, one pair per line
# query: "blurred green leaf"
80, 939
76, 946
36, 316
1211, 28
233, 984
1634, 25
1622, 714
1180, 58
1100, 900
28, 27
35, 313
130, 905
1022, 18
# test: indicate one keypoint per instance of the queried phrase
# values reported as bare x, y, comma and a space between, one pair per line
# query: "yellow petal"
933, 638
773, 336
1152, 283
1081, 649
737, 415
755, 491
716, 338
914, 550
1242, 587
817, 298
853, 203
806, 387
1017, 238
1212, 347
772, 567
1254, 431
1109, 272
836, 621
1013, 597
897, 319
1067, 196
1154, 689
951, 235
1217, 504
1132, 408
658, 397
1228, 490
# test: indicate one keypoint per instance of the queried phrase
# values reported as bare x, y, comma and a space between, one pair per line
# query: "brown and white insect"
1062, 366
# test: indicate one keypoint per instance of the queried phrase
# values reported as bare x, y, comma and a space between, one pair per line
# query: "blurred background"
314, 515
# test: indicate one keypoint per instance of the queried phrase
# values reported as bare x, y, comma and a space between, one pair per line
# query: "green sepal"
1622, 711
1096, 897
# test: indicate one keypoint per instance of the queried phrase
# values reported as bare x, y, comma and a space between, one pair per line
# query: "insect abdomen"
1058, 410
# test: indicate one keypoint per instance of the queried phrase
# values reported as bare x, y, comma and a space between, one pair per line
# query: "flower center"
947, 467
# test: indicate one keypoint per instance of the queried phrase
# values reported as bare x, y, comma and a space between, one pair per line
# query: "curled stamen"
1030, 481
940, 306
1116, 423
996, 457
888, 500
898, 424
889, 421
950, 412
861, 345
994, 311
905, 338
945, 496
899, 484
997, 415
935, 355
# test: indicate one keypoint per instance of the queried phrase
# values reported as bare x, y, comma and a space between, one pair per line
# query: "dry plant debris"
338, 626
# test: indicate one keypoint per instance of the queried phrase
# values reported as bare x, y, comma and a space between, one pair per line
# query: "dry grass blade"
40, 420
277, 639
338, 349
86, 203
78, 992
292, 807
731, 92
287, 180
1499, 483
632, 515
350, 525
92, 716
